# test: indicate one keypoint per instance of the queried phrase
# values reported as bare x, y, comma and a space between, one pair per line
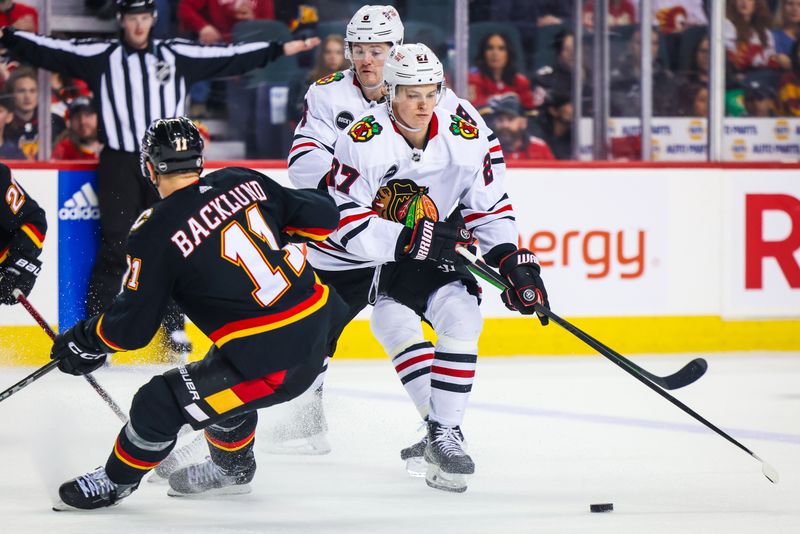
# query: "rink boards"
648, 258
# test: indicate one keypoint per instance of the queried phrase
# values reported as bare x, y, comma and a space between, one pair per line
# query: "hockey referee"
135, 79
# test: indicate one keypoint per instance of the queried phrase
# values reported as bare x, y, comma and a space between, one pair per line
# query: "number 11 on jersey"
240, 249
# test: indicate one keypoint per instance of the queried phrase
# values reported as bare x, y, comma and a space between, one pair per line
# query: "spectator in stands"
80, 140
495, 73
626, 90
699, 64
787, 30
213, 20
559, 74
620, 13
555, 122
553, 12
21, 16
789, 92
760, 100
674, 16
23, 85
64, 90
8, 148
330, 58
693, 100
748, 41
510, 125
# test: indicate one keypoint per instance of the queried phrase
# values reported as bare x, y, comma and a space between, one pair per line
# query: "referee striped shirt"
134, 87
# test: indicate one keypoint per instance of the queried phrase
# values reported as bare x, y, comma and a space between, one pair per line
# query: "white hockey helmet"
412, 64
373, 24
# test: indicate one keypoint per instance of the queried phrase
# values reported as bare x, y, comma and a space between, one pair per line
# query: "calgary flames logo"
461, 127
365, 129
405, 202
330, 78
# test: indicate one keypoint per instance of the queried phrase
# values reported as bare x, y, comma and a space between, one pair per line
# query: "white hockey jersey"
331, 104
458, 167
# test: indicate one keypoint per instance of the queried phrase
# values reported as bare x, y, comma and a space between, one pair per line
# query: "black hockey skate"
447, 462
304, 432
91, 491
208, 478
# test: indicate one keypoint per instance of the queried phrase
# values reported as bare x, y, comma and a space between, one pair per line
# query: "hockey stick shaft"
485, 269
89, 378
30, 379
685, 376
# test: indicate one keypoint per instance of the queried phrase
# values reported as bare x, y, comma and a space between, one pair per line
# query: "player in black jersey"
22, 230
222, 247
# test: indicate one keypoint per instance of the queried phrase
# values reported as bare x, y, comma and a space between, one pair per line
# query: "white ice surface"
549, 437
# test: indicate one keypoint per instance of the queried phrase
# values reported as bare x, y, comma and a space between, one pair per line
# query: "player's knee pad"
154, 412
395, 326
456, 318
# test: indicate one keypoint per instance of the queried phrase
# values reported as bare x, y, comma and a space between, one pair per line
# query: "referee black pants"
123, 194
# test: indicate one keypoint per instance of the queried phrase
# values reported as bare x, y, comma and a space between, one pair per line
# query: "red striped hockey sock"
451, 382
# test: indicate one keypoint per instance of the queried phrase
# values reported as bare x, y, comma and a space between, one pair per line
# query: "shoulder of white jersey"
340, 82
458, 128
369, 129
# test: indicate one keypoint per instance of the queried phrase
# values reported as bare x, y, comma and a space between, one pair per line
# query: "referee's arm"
200, 62
79, 58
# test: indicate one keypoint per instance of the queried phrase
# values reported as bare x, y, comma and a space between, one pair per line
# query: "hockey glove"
433, 241
521, 269
17, 272
76, 354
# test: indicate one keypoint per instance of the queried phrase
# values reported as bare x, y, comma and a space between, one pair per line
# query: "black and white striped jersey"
134, 87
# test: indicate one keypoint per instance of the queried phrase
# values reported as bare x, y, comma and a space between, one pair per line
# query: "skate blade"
416, 466
155, 478
237, 489
311, 446
61, 506
452, 482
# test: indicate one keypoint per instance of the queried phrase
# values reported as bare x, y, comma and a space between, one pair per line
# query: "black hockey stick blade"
686, 375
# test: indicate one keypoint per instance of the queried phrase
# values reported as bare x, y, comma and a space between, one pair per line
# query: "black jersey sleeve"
133, 318
81, 58
201, 62
21, 218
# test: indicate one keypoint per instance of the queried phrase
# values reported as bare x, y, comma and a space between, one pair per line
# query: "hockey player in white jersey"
396, 174
331, 104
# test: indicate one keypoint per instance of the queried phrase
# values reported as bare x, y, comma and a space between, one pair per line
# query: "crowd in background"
523, 59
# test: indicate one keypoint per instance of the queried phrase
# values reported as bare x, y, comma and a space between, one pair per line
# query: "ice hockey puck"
604, 507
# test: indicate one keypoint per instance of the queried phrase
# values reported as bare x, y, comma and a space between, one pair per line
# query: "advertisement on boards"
762, 245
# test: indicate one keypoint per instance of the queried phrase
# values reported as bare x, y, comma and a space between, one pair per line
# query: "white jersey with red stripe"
331, 103
458, 167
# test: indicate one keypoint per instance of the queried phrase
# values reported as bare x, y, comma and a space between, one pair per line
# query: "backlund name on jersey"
215, 212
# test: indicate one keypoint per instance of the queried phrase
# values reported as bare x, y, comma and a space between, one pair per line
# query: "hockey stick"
47, 368
682, 377
490, 275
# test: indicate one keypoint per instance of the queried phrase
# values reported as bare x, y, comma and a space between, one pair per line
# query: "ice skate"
305, 433
91, 491
207, 478
447, 462
193, 452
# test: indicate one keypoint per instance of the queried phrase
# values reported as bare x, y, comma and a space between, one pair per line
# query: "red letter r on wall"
756, 248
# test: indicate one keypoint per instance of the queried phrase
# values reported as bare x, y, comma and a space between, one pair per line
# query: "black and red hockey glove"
77, 355
521, 268
432, 241
17, 272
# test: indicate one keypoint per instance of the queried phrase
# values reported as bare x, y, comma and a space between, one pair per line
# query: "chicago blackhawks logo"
405, 202
461, 127
330, 78
365, 129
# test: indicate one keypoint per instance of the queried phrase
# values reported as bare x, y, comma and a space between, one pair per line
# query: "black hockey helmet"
172, 145
125, 7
